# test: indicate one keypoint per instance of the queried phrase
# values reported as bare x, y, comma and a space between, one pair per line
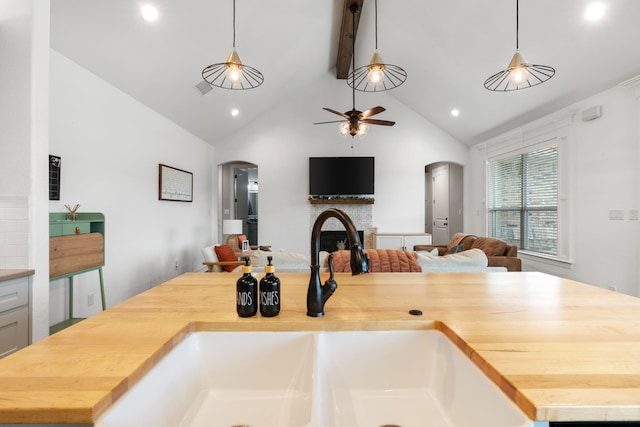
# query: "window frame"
522, 163
555, 129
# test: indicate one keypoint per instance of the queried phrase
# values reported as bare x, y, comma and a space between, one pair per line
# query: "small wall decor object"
72, 212
54, 177
175, 184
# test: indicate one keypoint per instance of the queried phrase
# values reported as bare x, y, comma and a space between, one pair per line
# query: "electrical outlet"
89, 300
613, 288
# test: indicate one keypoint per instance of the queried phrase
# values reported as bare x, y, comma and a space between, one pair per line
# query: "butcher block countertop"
9, 274
561, 350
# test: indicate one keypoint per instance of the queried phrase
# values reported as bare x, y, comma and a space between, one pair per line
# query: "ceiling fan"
356, 122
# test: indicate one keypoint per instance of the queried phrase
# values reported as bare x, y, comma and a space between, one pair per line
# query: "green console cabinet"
76, 246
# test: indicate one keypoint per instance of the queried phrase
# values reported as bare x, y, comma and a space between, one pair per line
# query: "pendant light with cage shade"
232, 74
377, 76
519, 74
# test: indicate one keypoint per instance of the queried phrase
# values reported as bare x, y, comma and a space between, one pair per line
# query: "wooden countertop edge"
9, 274
46, 414
493, 374
139, 373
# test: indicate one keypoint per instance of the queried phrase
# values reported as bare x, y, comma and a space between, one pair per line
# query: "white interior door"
241, 197
441, 205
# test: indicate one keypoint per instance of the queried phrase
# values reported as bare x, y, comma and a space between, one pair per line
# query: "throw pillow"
455, 249
456, 240
468, 258
225, 253
285, 261
490, 246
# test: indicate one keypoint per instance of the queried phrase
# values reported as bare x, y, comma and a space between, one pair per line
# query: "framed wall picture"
54, 177
174, 184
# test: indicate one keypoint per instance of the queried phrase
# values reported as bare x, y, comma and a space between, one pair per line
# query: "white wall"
111, 145
282, 139
24, 81
603, 173
15, 102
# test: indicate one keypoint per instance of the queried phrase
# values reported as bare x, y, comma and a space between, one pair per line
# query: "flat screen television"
333, 176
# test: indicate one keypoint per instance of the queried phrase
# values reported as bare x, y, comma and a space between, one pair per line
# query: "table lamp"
232, 227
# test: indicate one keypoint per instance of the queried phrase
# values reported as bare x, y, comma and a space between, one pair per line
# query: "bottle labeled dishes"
269, 291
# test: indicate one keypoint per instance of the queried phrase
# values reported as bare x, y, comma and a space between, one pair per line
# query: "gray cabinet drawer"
13, 294
14, 330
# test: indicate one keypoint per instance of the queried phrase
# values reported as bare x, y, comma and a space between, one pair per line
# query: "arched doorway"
443, 201
238, 197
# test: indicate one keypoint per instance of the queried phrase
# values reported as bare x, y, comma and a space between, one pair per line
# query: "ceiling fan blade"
371, 112
335, 112
333, 121
378, 122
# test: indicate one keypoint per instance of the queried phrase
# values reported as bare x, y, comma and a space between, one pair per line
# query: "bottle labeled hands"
269, 292
247, 292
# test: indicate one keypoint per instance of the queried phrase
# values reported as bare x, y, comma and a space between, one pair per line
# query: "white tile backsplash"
14, 232
14, 202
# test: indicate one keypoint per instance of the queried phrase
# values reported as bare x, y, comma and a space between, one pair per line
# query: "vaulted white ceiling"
448, 49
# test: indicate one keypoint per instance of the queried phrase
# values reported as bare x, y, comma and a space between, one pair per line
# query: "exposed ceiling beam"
347, 35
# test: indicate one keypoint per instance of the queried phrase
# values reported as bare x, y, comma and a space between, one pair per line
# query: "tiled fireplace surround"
361, 215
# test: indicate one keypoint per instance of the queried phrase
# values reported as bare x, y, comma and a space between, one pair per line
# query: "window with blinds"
523, 200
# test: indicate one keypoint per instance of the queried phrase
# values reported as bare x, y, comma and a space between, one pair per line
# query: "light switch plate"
616, 215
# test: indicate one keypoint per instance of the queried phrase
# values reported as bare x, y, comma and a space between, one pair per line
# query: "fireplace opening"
331, 241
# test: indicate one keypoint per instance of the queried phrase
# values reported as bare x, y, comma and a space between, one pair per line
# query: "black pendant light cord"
517, 23
354, 9
234, 24
376, 21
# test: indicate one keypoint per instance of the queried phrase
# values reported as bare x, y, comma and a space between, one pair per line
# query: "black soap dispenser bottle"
269, 291
247, 292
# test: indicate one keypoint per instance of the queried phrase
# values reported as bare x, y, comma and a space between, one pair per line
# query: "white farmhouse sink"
407, 378
224, 379
315, 379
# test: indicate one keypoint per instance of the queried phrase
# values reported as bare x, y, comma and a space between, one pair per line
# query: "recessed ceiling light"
594, 12
149, 12
455, 112
235, 112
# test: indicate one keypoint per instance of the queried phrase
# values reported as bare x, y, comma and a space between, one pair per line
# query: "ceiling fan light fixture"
519, 74
356, 122
343, 129
232, 74
363, 128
